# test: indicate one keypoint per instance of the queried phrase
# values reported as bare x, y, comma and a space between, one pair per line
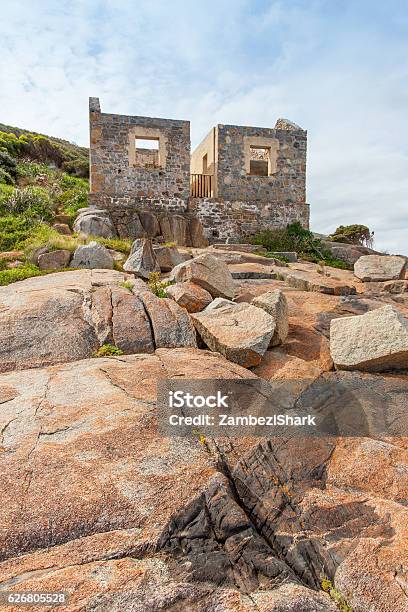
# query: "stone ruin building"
238, 181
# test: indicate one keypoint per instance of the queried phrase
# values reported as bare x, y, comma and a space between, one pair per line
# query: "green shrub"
45, 149
14, 230
297, 238
8, 168
272, 240
335, 595
127, 285
5, 177
72, 199
69, 182
157, 286
33, 169
107, 350
77, 167
353, 234
33, 202
17, 274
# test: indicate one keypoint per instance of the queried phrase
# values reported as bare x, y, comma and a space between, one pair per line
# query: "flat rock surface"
380, 267
306, 277
133, 521
252, 270
238, 257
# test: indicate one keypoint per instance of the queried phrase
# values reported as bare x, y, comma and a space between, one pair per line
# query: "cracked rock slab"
66, 316
240, 332
80, 454
133, 521
372, 342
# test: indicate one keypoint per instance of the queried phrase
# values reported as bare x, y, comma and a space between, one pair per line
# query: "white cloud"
339, 70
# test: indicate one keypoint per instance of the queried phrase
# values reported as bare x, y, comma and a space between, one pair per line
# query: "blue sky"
338, 68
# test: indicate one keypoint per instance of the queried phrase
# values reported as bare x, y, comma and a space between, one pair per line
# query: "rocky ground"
97, 504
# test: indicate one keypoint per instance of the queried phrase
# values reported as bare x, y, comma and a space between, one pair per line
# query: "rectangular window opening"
147, 152
259, 162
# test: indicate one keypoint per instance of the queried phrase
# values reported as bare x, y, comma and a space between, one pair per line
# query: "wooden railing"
202, 185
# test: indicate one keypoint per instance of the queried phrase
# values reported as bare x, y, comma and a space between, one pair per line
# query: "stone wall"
116, 167
286, 183
222, 219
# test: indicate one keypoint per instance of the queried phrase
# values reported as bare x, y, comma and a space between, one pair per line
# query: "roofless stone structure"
238, 180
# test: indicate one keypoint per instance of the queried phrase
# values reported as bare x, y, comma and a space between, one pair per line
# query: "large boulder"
240, 332
380, 267
94, 222
208, 272
150, 223
190, 296
171, 324
67, 316
276, 304
168, 257
92, 256
198, 238
219, 303
54, 260
142, 259
374, 342
349, 253
175, 228
130, 226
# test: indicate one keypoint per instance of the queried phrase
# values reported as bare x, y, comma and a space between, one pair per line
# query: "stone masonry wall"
225, 219
114, 168
287, 185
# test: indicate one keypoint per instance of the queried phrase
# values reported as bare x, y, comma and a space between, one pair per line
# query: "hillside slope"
25, 144
42, 180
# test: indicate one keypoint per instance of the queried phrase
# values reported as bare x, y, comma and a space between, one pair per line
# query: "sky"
338, 68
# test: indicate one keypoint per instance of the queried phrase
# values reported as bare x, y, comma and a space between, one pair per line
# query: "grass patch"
14, 230
17, 274
42, 235
157, 286
107, 350
127, 285
122, 245
329, 588
271, 255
